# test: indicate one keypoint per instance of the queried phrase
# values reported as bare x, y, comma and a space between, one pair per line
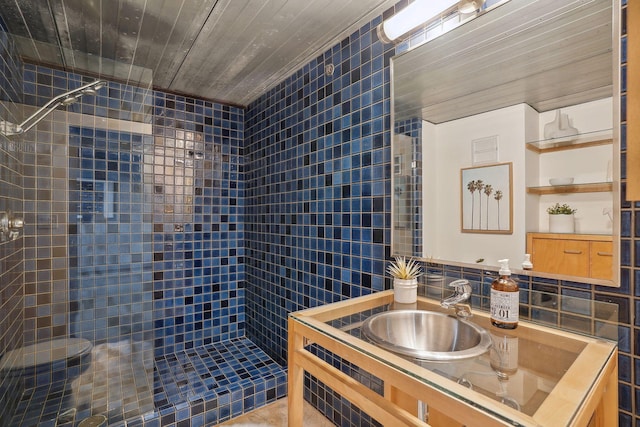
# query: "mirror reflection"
506, 141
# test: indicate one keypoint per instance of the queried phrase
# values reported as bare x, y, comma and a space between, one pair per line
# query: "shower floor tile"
231, 377
118, 383
207, 385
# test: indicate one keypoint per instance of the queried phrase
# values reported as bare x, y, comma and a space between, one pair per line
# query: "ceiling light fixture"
470, 6
420, 12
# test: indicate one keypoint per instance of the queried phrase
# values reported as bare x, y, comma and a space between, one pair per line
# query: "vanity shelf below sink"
593, 187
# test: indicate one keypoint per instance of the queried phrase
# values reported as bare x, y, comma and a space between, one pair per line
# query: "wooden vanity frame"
595, 371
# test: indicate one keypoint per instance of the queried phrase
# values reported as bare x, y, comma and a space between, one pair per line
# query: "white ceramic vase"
561, 223
405, 291
560, 127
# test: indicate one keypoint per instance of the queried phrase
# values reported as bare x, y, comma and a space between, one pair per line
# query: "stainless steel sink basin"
426, 335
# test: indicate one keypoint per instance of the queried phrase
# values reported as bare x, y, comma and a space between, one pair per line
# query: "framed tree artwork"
486, 198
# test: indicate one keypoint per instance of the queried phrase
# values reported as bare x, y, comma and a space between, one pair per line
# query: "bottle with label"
505, 299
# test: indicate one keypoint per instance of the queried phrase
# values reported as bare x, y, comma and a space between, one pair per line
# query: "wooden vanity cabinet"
582, 255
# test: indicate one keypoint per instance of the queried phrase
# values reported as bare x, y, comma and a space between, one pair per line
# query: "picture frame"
486, 199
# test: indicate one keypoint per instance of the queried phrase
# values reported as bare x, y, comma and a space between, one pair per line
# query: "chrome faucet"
460, 298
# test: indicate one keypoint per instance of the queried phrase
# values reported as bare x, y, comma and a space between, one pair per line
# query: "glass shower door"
111, 277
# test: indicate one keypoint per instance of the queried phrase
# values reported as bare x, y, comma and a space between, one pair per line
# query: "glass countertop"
519, 371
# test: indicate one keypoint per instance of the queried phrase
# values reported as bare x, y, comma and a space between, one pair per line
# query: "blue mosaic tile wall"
110, 265
10, 72
184, 185
318, 188
11, 198
197, 178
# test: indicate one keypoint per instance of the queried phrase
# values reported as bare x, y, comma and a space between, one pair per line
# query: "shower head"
66, 99
93, 88
69, 100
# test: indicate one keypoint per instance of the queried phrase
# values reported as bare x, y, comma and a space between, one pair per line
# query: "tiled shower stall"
134, 240
176, 234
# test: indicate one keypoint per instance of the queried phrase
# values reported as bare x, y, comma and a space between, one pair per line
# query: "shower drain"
93, 421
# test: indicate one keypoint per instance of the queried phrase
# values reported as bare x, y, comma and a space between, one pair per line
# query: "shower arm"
9, 129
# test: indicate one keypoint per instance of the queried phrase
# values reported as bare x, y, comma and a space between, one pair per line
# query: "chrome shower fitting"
10, 226
65, 99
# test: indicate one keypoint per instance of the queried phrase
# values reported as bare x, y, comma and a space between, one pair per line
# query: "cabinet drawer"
582, 255
601, 258
570, 257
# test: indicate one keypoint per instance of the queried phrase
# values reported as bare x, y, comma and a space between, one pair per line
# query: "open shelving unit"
585, 140
594, 187
591, 139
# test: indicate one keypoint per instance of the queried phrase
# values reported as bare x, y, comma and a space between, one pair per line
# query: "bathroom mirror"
498, 120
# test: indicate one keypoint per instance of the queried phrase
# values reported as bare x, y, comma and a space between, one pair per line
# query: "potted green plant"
561, 218
405, 273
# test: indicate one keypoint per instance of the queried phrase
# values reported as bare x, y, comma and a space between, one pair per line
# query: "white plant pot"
405, 291
561, 224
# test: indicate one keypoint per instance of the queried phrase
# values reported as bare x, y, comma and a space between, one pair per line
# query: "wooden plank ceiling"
228, 50
545, 53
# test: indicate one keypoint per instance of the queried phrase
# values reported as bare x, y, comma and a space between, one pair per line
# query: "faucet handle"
460, 299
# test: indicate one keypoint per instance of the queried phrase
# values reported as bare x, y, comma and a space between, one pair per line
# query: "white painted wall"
447, 148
